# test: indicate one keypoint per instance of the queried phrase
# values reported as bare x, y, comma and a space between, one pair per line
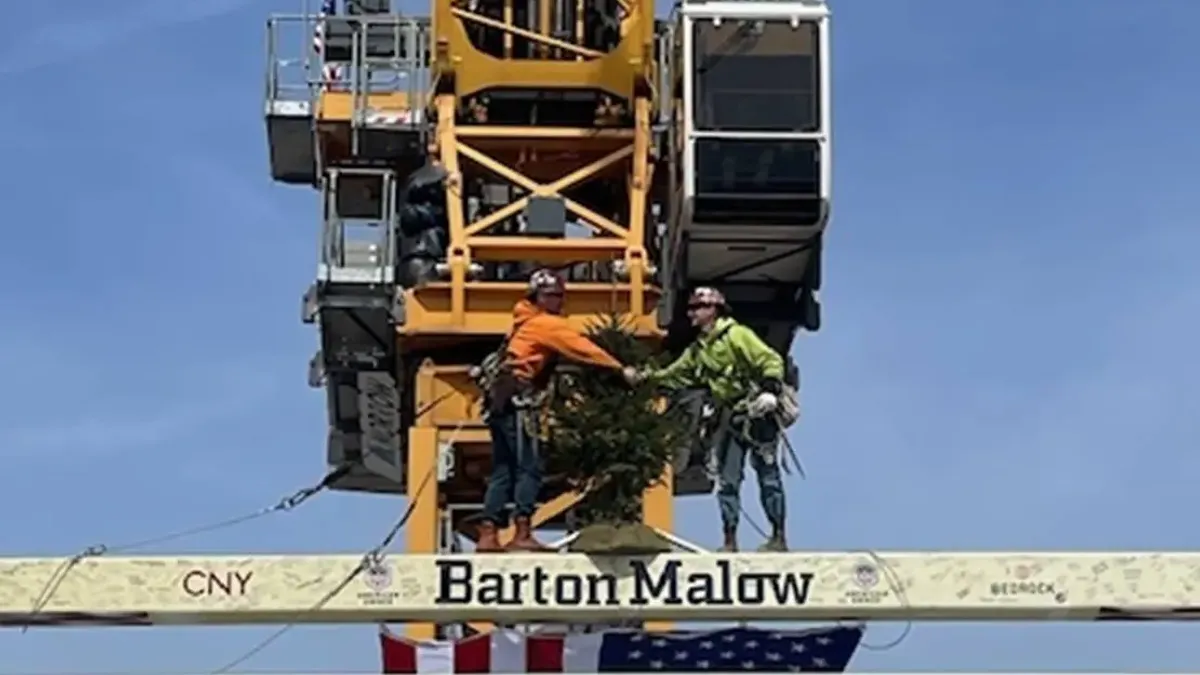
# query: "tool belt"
504, 391
509, 390
789, 406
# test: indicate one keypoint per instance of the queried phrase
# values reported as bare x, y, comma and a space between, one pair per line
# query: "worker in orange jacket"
539, 335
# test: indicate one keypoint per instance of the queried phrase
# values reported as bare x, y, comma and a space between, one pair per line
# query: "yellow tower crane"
454, 154
458, 153
470, 144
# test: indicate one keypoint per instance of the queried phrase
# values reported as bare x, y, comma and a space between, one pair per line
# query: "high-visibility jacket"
537, 335
727, 361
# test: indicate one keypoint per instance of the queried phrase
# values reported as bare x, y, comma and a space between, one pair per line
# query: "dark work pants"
516, 468
759, 439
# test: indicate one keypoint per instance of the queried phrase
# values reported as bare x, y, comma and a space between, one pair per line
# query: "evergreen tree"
615, 438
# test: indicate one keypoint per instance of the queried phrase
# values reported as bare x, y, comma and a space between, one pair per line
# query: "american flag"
733, 649
330, 72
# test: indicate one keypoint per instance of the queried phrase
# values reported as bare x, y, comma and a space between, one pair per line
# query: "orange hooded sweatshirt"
536, 335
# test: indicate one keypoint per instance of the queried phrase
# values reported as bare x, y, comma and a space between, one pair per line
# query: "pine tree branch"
600, 427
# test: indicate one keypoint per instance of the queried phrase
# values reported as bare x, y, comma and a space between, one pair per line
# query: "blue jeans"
759, 439
516, 469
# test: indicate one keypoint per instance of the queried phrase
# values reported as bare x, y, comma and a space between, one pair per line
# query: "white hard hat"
546, 280
706, 295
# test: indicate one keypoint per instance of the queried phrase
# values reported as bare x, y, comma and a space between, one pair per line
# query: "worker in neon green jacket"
744, 377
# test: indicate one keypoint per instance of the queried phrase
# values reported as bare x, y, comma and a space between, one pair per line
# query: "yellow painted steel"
537, 161
338, 106
487, 307
547, 160
464, 69
441, 108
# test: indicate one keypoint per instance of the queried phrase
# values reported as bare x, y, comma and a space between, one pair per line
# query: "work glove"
632, 375
764, 404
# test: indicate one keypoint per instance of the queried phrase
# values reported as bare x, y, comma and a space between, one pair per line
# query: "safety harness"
715, 418
502, 388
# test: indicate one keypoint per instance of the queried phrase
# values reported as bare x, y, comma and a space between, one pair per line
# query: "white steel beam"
576, 588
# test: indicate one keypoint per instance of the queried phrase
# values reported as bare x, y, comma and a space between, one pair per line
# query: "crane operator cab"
750, 138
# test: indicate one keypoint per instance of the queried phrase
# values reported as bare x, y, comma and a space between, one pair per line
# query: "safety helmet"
706, 295
546, 280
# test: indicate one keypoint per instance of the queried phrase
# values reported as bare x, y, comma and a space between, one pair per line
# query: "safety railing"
389, 74
309, 53
294, 66
664, 56
358, 242
387, 38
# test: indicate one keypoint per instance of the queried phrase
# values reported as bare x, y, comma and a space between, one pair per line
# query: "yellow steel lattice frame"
438, 312
471, 241
444, 394
456, 60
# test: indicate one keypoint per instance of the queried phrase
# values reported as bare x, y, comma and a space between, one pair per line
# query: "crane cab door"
757, 136
756, 154
755, 157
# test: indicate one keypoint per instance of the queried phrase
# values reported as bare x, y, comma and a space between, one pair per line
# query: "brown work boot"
730, 545
776, 544
487, 541
523, 540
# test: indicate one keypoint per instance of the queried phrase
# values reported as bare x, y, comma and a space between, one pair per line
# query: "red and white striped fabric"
330, 72
501, 651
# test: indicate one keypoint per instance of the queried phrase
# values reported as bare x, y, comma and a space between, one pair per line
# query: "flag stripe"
581, 653
473, 655
507, 653
396, 655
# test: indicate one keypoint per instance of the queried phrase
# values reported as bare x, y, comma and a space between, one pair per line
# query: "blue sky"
1004, 362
